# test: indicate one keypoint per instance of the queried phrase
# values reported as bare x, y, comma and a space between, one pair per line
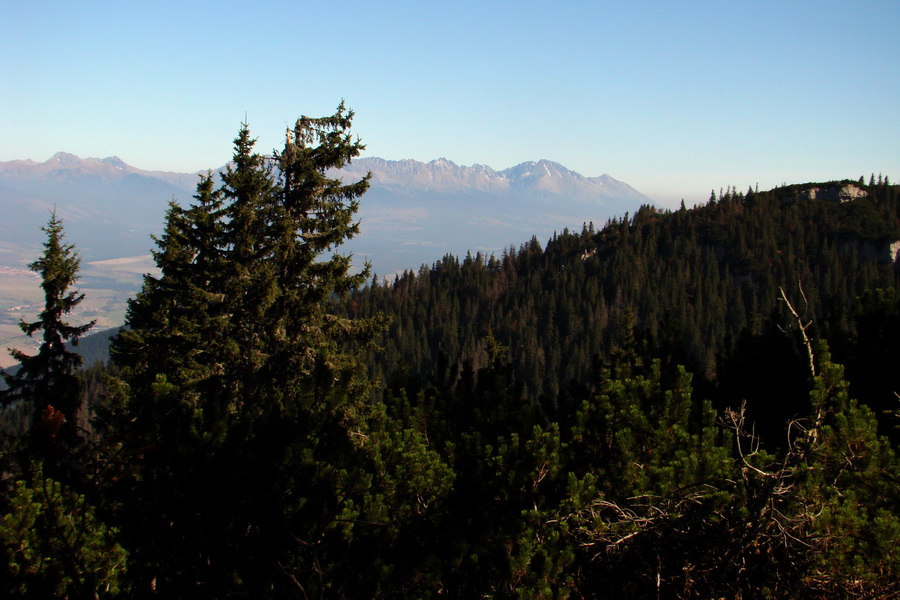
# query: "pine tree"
55, 546
46, 381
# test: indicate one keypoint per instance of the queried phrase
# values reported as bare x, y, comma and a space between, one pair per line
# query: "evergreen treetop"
47, 381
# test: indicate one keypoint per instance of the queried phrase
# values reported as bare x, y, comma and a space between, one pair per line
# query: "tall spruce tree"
244, 409
46, 382
51, 541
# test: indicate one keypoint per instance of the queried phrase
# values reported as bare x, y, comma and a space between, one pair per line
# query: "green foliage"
818, 521
662, 466
647, 439
852, 486
55, 546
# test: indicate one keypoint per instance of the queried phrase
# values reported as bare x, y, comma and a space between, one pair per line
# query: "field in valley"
107, 285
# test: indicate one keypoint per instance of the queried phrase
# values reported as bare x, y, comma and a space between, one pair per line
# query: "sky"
673, 98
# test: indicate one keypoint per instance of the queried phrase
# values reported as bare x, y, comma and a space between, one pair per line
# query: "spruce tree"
244, 406
46, 382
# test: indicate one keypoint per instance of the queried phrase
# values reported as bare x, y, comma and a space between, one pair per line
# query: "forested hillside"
653, 409
699, 287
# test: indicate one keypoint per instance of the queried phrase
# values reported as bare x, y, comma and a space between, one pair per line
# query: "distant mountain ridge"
111, 167
414, 212
109, 208
533, 177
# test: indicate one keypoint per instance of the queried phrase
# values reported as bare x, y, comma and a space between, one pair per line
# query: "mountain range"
413, 214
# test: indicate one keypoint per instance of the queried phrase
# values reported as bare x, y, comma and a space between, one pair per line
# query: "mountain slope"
698, 287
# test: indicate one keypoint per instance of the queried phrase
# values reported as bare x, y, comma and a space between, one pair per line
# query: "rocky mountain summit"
533, 178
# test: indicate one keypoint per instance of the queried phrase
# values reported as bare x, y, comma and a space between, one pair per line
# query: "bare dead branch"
801, 325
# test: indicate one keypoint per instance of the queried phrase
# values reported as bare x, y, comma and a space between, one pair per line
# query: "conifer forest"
692, 403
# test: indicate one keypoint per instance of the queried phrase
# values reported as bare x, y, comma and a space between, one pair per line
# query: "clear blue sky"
675, 98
